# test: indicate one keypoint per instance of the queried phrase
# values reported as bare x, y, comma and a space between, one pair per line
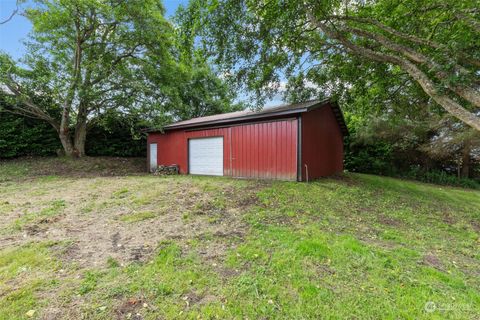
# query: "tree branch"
14, 12
408, 37
417, 74
466, 92
29, 108
389, 30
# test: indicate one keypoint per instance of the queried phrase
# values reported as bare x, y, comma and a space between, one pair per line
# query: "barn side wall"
266, 150
322, 144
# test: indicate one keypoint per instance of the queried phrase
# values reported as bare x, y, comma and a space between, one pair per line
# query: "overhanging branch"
416, 73
14, 12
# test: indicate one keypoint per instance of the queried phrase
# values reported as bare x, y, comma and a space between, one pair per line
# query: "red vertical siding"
266, 150
322, 143
256, 150
171, 148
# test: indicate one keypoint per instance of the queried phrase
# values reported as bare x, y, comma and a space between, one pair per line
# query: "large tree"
387, 111
435, 43
90, 56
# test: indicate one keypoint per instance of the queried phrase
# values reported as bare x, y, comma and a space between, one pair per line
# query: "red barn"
300, 142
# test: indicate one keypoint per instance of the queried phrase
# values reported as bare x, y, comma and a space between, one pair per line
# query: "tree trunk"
465, 171
80, 136
67, 144
81, 127
64, 133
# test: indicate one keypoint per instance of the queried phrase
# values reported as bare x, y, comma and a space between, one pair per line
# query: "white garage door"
206, 156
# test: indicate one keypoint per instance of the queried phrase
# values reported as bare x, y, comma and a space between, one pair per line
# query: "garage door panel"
206, 156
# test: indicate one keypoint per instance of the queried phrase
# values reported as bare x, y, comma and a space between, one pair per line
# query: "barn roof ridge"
244, 115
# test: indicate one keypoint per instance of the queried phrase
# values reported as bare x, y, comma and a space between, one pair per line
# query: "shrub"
20, 136
111, 135
441, 177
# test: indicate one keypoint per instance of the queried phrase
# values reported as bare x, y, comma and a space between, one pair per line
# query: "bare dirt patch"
389, 221
90, 233
248, 200
184, 209
347, 179
448, 219
129, 309
192, 299
433, 261
475, 225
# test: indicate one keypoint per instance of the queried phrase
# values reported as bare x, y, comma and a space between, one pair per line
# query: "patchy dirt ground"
122, 218
105, 245
95, 221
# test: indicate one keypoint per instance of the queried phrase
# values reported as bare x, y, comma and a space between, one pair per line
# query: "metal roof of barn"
247, 115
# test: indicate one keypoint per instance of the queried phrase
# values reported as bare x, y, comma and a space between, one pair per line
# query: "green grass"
24, 272
52, 168
52, 209
357, 247
138, 216
167, 284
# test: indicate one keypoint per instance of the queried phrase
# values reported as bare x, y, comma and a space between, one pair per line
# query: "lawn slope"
145, 247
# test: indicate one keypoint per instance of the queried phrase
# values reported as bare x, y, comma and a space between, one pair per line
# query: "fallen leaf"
30, 313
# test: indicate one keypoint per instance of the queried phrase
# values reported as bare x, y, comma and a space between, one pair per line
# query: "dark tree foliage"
20, 136
416, 150
111, 135
115, 134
